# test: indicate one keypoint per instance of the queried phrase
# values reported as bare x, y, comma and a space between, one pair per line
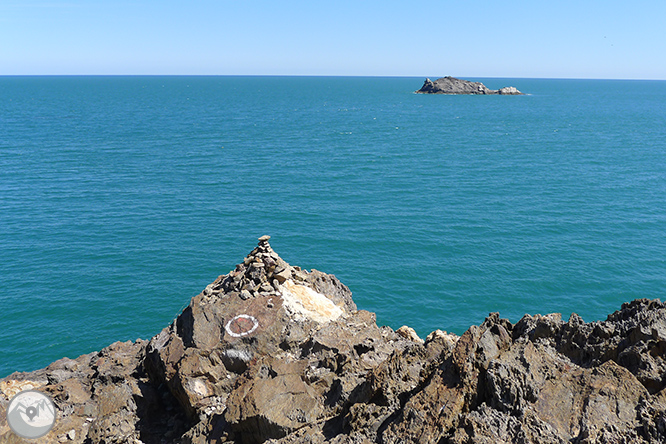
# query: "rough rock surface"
272, 353
451, 85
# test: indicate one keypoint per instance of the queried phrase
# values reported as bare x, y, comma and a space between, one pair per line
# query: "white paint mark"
241, 323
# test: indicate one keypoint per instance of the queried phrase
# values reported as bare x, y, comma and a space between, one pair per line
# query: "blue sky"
513, 38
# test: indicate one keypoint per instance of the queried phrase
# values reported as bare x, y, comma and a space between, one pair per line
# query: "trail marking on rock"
241, 325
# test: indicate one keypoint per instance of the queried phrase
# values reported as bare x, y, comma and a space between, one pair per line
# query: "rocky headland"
272, 353
451, 85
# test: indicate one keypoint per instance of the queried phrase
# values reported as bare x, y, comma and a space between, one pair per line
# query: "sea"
121, 198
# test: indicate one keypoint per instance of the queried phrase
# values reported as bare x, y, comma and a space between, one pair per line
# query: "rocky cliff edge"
273, 353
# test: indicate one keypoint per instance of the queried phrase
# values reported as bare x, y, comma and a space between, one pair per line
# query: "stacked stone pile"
260, 274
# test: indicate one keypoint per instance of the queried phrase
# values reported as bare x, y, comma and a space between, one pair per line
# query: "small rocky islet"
452, 85
272, 353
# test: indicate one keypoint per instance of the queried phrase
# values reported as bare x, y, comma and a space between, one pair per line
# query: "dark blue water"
122, 197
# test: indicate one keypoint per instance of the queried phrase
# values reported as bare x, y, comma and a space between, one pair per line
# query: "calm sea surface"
123, 197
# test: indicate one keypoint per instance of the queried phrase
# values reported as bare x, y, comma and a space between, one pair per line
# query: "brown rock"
271, 402
288, 358
409, 333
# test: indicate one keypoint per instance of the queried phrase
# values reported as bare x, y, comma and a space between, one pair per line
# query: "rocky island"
451, 85
272, 353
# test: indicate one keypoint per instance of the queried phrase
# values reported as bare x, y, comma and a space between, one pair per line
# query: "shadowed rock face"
272, 353
451, 85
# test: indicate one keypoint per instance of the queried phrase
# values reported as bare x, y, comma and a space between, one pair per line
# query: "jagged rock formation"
271, 353
451, 85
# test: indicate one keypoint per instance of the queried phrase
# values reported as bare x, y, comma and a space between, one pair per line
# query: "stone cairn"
261, 274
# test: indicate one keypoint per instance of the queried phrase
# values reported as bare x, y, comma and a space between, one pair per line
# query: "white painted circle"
246, 332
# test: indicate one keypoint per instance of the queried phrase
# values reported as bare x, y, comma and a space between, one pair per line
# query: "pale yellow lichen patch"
306, 302
9, 388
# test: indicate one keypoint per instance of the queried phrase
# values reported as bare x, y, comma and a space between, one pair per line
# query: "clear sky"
488, 38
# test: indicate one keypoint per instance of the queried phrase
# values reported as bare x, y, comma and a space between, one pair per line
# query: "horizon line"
328, 75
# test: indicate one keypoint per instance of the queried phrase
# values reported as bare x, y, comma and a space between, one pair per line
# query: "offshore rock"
451, 85
257, 358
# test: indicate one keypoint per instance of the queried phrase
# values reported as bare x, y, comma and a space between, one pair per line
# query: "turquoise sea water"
122, 197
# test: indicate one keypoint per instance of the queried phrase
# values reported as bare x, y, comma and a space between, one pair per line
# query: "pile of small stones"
261, 274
